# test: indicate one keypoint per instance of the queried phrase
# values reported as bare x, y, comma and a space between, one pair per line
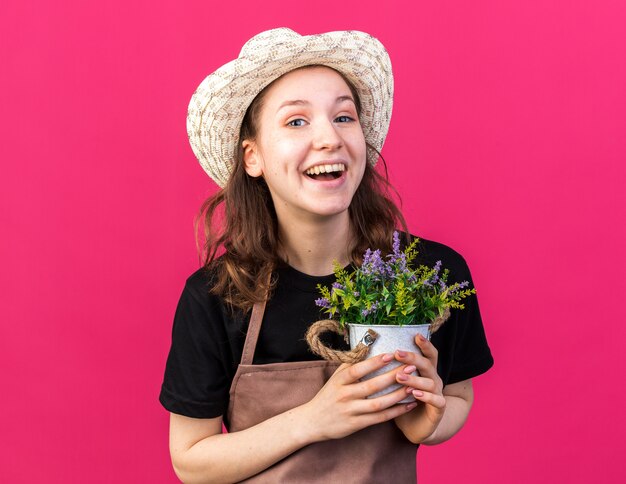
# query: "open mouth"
326, 172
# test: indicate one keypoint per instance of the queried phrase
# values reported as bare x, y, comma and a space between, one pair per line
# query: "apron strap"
253, 333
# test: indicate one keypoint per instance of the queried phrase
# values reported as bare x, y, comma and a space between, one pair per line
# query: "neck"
311, 246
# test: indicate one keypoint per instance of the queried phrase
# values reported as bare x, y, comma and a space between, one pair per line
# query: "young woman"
291, 131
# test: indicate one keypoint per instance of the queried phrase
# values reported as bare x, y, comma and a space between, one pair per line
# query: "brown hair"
247, 227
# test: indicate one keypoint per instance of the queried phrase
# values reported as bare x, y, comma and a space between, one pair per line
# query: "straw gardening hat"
219, 104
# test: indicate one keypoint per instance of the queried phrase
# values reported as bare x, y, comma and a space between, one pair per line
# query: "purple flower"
402, 263
457, 287
396, 243
366, 312
396, 258
338, 286
377, 261
437, 268
373, 264
323, 302
396, 254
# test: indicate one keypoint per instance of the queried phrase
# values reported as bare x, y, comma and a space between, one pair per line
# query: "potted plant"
382, 305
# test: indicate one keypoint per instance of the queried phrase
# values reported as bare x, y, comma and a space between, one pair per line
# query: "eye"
296, 123
344, 119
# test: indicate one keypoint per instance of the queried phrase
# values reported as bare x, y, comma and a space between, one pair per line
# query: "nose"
326, 136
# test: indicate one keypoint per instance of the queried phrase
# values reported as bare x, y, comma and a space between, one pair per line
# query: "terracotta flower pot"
390, 338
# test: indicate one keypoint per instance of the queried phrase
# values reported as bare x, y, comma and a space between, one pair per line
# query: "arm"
459, 397
201, 453
442, 411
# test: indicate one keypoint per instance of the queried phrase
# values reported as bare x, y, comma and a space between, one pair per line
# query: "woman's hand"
341, 407
426, 388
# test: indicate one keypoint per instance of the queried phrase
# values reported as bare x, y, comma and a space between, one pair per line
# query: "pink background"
507, 142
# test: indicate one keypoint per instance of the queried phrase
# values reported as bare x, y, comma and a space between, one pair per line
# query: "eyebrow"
300, 102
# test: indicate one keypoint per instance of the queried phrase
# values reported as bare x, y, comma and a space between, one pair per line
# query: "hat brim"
219, 104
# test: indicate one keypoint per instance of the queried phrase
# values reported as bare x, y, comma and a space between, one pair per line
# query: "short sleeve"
195, 383
461, 341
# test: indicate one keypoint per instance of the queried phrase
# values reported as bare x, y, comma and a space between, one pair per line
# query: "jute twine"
313, 338
362, 349
439, 320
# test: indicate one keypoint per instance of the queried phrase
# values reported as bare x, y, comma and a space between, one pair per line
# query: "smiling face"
309, 146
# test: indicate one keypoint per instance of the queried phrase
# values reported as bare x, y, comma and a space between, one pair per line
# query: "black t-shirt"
208, 336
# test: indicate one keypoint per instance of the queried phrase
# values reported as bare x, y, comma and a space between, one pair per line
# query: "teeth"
316, 170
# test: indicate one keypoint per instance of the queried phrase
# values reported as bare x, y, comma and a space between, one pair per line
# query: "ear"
251, 158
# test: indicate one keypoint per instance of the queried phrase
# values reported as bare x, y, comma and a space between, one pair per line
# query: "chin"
329, 211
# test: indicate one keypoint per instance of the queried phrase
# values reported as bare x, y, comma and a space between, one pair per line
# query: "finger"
378, 404
389, 413
435, 399
416, 382
413, 359
342, 367
355, 372
425, 366
375, 384
427, 348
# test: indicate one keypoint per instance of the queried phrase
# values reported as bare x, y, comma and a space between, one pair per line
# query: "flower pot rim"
388, 325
